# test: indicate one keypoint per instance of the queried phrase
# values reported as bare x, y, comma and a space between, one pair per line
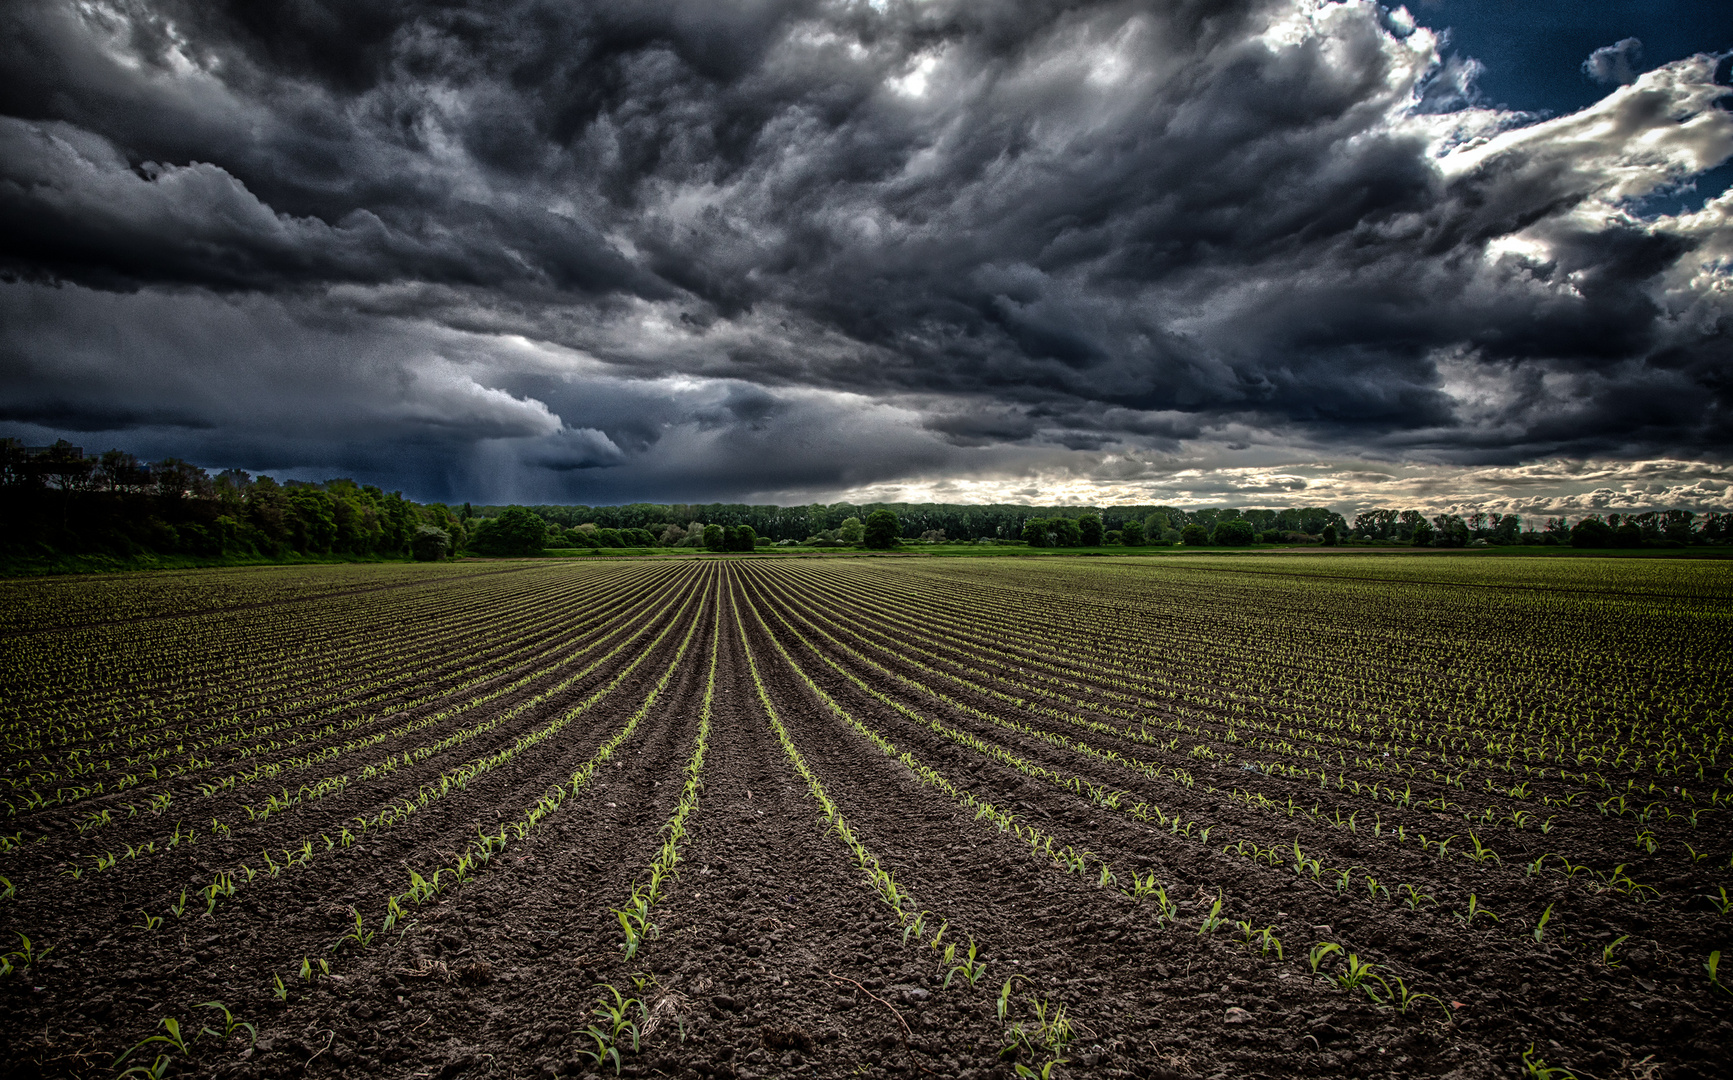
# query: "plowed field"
758, 817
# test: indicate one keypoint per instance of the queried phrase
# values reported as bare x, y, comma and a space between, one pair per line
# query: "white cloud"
1615, 63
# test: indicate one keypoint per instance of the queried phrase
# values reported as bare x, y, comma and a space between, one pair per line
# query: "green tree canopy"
1235, 532
882, 530
429, 544
516, 531
1592, 532
1090, 526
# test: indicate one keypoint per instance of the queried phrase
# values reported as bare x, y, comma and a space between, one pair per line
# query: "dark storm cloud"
1079, 226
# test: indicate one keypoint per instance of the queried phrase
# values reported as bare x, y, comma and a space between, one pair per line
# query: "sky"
1467, 253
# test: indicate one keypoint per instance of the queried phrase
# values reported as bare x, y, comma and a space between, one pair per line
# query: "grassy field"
1254, 814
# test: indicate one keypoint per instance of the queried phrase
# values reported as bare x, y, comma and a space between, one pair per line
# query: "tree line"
1651, 528
60, 501
822, 523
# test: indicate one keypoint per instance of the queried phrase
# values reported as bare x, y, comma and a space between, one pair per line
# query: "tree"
1090, 526
1422, 533
1065, 532
1330, 536
882, 530
1506, 528
715, 537
1194, 535
1035, 532
1234, 532
1592, 532
851, 531
1449, 530
1131, 534
65, 466
429, 544
312, 519
175, 479
742, 538
517, 530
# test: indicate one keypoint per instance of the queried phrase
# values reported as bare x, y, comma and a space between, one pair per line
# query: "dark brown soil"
775, 956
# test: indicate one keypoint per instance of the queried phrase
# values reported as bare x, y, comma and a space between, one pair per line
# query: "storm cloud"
603, 252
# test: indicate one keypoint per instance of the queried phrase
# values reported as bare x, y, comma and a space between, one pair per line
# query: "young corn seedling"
278, 990
156, 1070
222, 888
149, 921
1474, 911
1050, 1034
1722, 903
1713, 967
1482, 853
1140, 886
230, 1024
970, 969
1213, 921
1354, 974
179, 909
27, 953
1319, 953
634, 920
1166, 911
361, 937
614, 1023
934, 943
171, 1036
1540, 925
1374, 889
1536, 1068
1264, 941
1607, 957
1413, 898
1405, 999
